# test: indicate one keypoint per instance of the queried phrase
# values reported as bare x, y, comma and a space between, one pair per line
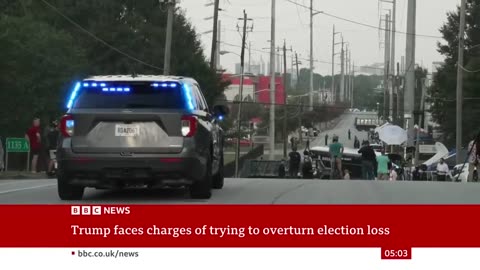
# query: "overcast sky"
293, 26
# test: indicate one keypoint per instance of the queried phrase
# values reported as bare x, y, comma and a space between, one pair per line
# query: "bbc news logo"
99, 210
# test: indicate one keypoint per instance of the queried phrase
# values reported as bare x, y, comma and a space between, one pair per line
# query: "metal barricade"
261, 169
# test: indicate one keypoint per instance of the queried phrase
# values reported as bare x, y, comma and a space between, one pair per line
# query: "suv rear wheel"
203, 189
218, 179
67, 191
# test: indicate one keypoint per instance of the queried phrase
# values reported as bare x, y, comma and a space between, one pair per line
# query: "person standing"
294, 162
393, 174
368, 161
336, 152
326, 139
382, 166
52, 140
349, 135
472, 158
34, 138
442, 170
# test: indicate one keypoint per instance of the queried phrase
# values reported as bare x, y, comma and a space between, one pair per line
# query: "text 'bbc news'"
229, 231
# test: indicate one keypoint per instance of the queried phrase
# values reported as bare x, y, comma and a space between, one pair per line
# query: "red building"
255, 85
263, 90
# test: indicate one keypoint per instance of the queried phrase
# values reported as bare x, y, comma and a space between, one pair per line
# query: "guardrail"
256, 152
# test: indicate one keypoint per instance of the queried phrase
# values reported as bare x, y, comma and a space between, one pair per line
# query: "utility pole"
346, 71
386, 66
249, 57
399, 97
272, 84
214, 36
392, 56
461, 41
298, 72
332, 90
239, 115
409, 101
352, 84
285, 107
168, 39
342, 72
417, 141
219, 36
311, 55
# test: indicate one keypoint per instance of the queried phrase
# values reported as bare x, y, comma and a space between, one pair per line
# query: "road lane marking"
26, 188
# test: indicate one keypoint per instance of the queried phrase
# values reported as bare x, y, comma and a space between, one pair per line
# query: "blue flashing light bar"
73, 95
188, 94
86, 85
94, 84
105, 89
103, 84
126, 89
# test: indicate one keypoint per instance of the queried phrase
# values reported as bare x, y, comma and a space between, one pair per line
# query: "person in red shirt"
34, 138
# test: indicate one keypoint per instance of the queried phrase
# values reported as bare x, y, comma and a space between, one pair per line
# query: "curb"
22, 177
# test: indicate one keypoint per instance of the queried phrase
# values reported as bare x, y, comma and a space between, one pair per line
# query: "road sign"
17, 145
427, 149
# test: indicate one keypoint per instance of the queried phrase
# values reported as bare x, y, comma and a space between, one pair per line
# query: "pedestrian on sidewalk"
368, 161
34, 138
326, 139
356, 143
349, 135
382, 164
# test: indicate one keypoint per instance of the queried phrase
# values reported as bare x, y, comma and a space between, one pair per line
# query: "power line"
359, 23
97, 38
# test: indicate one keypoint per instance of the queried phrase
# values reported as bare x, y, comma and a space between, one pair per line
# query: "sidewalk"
16, 175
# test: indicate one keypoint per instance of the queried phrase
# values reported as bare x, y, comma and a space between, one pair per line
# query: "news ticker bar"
395, 229
235, 258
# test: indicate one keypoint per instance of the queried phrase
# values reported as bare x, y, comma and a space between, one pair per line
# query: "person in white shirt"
393, 175
472, 159
442, 170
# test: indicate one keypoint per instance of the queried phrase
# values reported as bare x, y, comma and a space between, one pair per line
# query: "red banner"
395, 229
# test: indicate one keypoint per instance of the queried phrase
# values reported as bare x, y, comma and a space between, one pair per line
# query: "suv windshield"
130, 95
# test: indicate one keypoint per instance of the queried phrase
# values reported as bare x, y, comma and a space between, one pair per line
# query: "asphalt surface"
260, 191
346, 123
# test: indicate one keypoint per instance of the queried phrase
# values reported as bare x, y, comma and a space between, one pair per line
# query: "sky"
292, 25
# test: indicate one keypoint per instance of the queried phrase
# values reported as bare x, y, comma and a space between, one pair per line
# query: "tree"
443, 91
34, 74
90, 38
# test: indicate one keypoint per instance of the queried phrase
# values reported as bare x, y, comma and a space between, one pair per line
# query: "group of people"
376, 166
39, 144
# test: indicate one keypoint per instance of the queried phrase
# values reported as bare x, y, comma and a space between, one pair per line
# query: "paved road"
347, 122
261, 191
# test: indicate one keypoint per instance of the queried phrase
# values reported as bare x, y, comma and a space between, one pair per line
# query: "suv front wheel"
67, 191
203, 189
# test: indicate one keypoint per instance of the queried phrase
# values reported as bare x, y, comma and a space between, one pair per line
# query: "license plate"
127, 130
